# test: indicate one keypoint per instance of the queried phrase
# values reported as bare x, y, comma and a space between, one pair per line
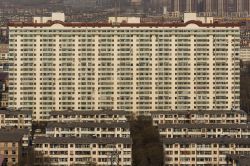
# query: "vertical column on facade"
216, 69
93, 71
12, 76
38, 86
236, 67
193, 91
96, 72
77, 73
135, 95
17, 96
115, 95
57, 70
230, 77
217, 150
211, 71
160, 54
173, 76
153, 56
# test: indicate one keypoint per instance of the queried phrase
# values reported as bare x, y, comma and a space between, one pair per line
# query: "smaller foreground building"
204, 130
10, 148
16, 119
205, 151
238, 160
75, 151
89, 116
199, 117
88, 129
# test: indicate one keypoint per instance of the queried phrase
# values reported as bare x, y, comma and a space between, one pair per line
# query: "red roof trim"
71, 24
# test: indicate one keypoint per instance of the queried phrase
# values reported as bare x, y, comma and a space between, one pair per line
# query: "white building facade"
203, 151
107, 116
88, 129
199, 117
204, 130
137, 67
10, 119
83, 151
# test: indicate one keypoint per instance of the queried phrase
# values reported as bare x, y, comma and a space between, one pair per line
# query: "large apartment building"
133, 66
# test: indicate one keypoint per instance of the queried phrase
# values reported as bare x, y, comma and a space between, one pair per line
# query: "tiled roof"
207, 126
220, 140
15, 112
188, 112
67, 140
13, 135
88, 124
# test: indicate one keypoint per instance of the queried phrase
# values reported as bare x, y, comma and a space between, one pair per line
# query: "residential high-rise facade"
221, 8
133, 66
